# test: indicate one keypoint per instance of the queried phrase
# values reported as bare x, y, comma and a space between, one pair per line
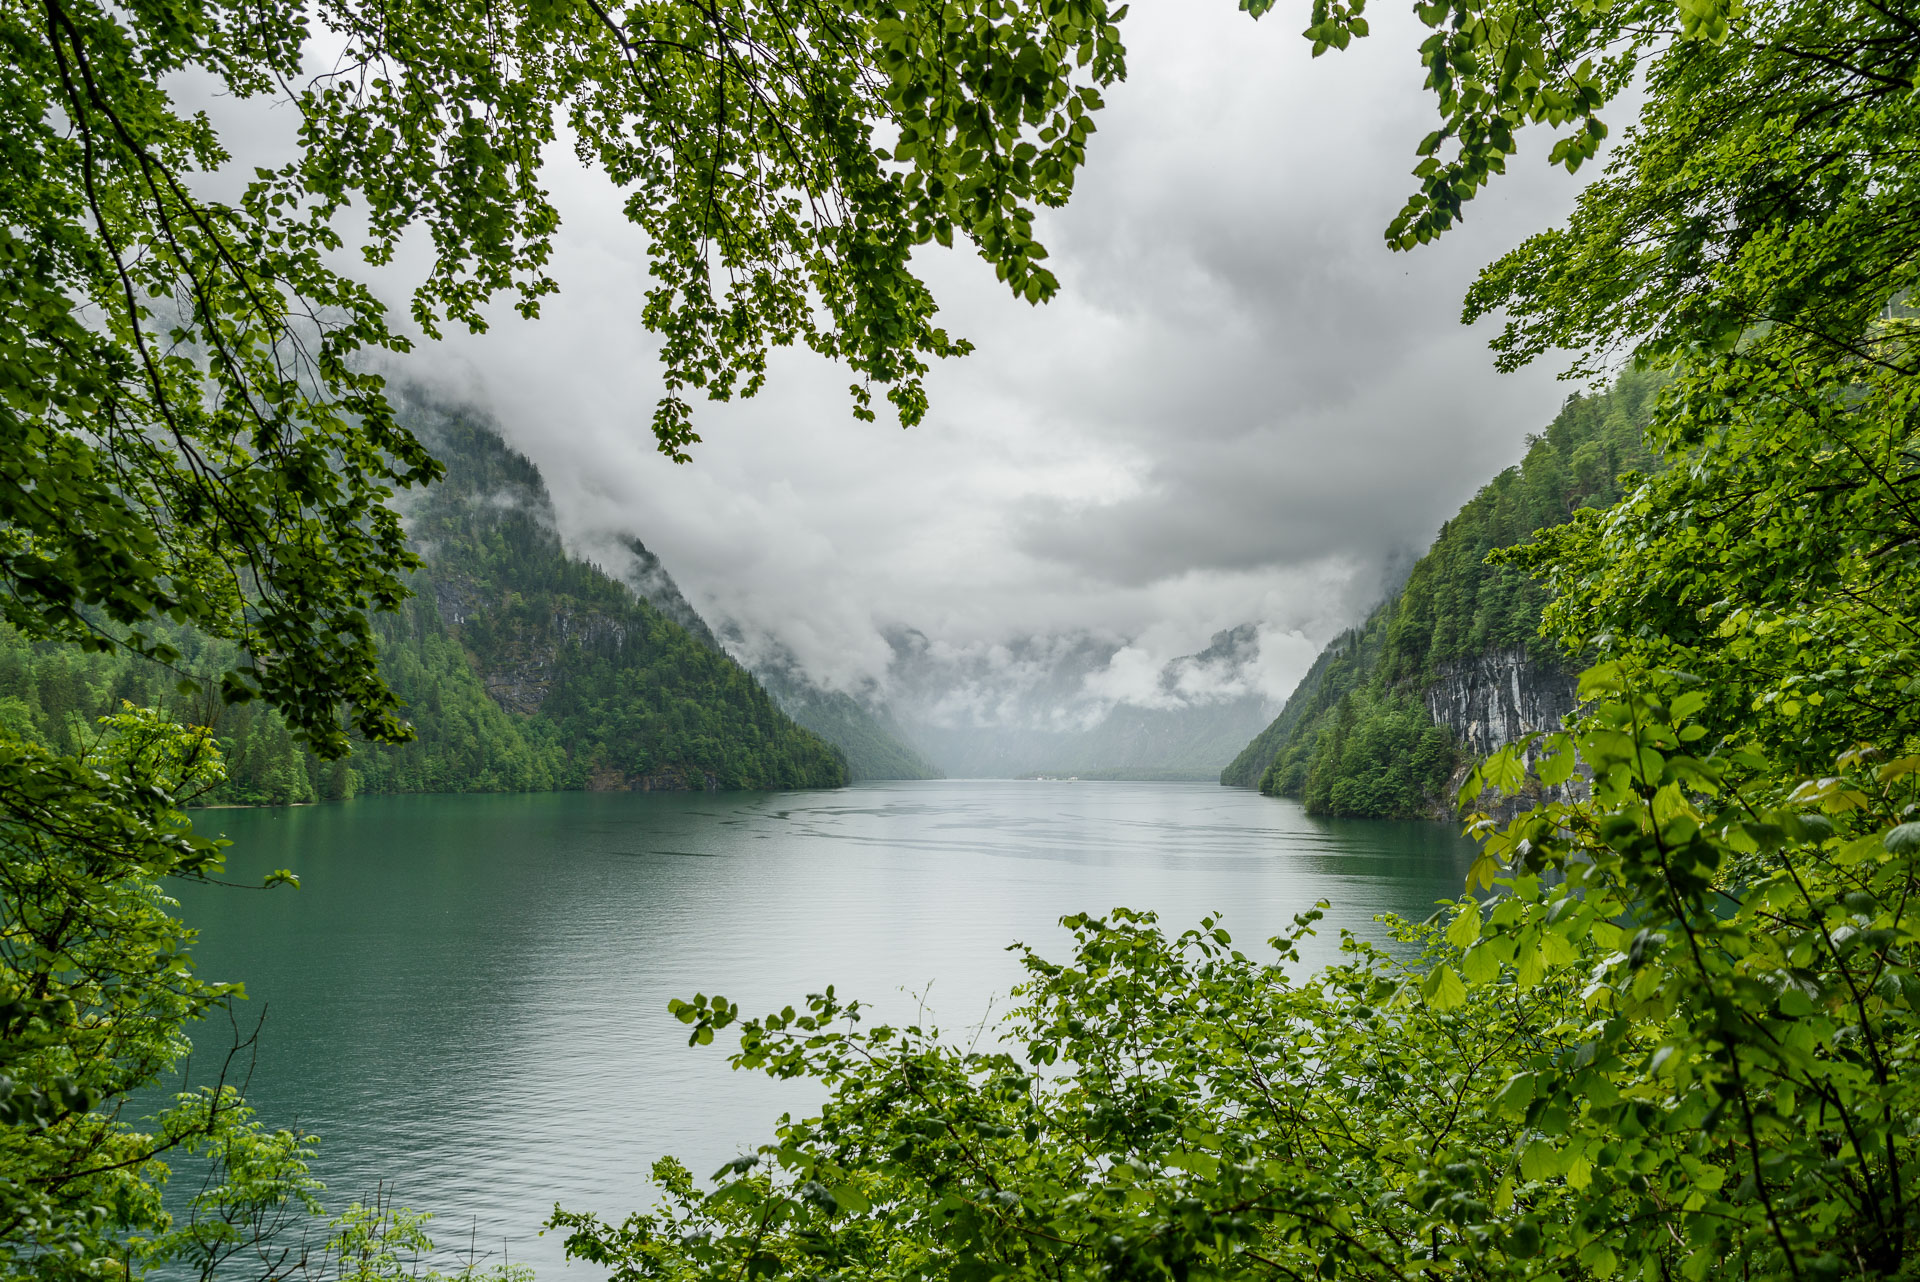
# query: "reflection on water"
467, 997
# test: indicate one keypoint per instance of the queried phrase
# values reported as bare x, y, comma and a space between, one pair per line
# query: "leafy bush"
1678, 1043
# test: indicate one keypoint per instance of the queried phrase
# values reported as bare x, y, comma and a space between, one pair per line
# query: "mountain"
1077, 705
634, 697
521, 668
650, 581
1452, 666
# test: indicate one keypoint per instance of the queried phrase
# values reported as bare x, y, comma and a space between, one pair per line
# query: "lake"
467, 996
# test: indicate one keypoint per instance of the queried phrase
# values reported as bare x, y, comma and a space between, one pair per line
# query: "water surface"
467, 996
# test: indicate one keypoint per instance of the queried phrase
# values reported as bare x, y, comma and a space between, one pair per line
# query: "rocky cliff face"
1491, 700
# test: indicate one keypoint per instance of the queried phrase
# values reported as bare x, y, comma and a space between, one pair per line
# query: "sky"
1242, 408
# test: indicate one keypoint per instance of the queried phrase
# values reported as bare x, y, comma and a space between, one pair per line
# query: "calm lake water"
467, 996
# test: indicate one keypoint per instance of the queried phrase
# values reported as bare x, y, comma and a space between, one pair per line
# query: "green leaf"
1540, 1160
1466, 925
1559, 767
1481, 965
1902, 840
1516, 1095
1443, 989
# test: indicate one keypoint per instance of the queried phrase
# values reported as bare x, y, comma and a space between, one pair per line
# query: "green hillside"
521, 668
1355, 737
632, 697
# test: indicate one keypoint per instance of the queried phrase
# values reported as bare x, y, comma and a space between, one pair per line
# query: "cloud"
1242, 409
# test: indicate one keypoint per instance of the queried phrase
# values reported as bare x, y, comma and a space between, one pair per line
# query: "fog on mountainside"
862, 729
1039, 706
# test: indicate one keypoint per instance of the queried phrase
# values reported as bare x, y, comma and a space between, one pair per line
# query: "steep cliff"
1488, 700
1452, 666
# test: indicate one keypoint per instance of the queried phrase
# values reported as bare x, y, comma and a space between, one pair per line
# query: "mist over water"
466, 998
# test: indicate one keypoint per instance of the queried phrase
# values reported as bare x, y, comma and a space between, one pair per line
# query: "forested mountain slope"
522, 669
631, 696
863, 730
1452, 665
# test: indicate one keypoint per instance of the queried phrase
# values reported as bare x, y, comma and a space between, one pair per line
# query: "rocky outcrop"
522, 651
1491, 700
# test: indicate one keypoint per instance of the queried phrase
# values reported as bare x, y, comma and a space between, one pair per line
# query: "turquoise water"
467, 996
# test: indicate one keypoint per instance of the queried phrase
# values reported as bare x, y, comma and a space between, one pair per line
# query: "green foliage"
1455, 606
1377, 756
464, 742
1341, 667
1743, 237
1348, 664
96, 990
1677, 1044
666, 707
1778, 563
188, 431
1495, 69
1762, 983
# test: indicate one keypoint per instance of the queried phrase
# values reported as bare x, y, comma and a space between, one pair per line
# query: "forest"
1669, 1027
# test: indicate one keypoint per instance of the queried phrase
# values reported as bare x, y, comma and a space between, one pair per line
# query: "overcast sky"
1238, 409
